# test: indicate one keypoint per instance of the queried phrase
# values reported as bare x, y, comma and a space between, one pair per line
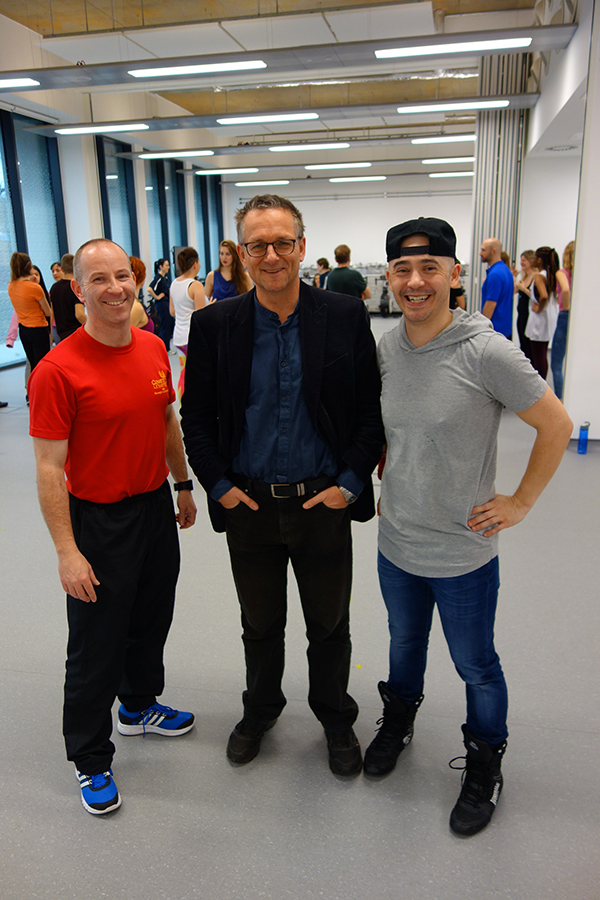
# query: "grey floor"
193, 826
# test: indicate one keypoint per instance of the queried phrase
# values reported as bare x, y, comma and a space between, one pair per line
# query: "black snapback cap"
442, 239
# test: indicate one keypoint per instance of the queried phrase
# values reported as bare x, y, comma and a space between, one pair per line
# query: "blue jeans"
559, 348
467, 608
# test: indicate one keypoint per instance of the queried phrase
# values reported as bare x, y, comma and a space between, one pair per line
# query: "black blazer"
340, 380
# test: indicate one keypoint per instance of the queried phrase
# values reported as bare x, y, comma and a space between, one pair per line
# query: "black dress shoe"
344, 752
3, 404
244, 740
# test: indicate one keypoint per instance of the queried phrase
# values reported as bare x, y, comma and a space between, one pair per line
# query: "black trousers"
36, 343
167, 322
318, 543
116, 644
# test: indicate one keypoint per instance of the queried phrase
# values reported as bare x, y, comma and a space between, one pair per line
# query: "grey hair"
268, 201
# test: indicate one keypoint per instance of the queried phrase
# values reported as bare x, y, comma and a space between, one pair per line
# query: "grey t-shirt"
442, 405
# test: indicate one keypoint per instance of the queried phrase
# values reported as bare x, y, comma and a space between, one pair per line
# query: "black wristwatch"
184, 485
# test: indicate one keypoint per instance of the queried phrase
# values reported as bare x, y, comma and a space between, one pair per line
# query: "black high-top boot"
481, 786
395, 732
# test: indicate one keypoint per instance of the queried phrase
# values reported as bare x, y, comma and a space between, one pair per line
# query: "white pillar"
81, 189
582, 377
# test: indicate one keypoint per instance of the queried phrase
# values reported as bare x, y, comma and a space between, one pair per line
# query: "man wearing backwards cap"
445, 377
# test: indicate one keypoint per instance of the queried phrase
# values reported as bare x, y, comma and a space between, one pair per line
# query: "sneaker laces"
167, 711
96, 782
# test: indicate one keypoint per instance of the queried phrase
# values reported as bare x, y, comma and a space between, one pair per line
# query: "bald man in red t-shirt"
105, 437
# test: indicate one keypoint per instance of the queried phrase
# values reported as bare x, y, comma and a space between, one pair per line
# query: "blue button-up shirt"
279, 443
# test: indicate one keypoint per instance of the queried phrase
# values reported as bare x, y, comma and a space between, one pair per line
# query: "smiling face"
526, 265
107, 289
277, 278
421, 287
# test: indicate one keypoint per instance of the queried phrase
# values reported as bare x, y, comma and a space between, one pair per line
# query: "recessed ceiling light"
363, 165
176, 154
102, 129
288, 148
359, 178
247, 171
446, 139
451, 174
203, 69
450, 107
112, 177
256, 183
149, 187
447, 159
18, 82
461, 47
253, 120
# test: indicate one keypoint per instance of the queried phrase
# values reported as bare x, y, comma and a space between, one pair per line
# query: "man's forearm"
488, 309
54, 503
546, 454
175, 454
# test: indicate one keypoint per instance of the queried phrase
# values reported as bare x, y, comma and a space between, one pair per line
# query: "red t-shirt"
110, 403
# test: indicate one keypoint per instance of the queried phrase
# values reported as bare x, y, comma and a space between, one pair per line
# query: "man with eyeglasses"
282, 425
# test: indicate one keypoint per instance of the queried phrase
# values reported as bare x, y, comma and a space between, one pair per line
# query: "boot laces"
476, 781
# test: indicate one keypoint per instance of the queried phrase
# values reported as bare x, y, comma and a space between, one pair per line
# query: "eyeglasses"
259, 248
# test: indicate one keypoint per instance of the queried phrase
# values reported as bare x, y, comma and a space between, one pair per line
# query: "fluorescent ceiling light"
451, 174
18, 82
287, 148
364, 165
282, 117
447, 159
225, 171
461, 47
149, 187
176, 154
111, 177
447, 139
450, 107
359, 178
255, 183
102, 129
205, 68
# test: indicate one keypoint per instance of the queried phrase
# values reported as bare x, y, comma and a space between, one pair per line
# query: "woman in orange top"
31, 307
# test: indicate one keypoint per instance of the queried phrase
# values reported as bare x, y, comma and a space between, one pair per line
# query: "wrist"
187, 485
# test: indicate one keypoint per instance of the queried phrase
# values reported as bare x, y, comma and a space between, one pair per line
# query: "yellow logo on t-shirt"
159, 384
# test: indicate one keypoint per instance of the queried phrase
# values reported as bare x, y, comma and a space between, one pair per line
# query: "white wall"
549, 198
362, 221
566, 75
582, 382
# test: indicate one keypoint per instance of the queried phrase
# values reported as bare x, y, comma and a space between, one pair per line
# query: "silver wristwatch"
348, 496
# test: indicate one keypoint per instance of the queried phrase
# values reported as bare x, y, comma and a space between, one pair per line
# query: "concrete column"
582, 379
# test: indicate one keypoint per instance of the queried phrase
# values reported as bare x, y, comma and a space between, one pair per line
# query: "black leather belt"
283, 491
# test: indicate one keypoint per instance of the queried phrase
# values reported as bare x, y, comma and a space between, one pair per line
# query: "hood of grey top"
464, 326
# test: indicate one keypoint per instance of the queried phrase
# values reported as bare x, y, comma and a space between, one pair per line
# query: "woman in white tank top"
187, 295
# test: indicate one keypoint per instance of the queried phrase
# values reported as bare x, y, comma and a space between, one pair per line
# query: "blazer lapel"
313, 334
238, 360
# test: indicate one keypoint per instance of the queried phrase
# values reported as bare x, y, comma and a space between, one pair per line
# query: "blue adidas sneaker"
99, 793
157, 719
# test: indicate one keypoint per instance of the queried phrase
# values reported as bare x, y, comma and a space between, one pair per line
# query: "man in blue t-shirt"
498, 288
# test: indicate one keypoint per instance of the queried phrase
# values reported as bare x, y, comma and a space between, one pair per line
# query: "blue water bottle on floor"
583, 438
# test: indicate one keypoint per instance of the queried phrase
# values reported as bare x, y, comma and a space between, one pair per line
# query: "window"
40, 190
118, 194
8, 245
158, 246
32, 217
